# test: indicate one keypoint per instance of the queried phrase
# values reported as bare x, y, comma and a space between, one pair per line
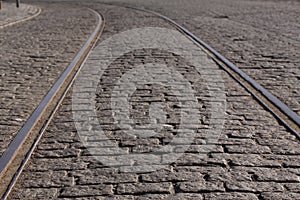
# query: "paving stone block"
144, 188
171, 176
292, 187
47, 179
37, 193
201, 186
230, 195
86, 191
103, 175
254, 186
277, 195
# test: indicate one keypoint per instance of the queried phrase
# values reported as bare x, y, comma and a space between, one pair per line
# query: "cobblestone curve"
10, 14
33, 54
254, 158
260, 37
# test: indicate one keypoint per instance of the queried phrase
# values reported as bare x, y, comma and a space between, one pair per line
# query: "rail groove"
279, 110
14, 159
288, 118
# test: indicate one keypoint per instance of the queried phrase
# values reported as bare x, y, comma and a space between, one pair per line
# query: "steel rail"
14, 147
217, 57
233, 70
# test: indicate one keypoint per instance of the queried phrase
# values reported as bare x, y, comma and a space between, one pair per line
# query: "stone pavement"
259, 36
253, 158
33, 54
10, 14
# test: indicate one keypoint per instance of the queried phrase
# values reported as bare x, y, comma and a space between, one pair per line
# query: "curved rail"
55, 96
278, 109
269, 101
22, 20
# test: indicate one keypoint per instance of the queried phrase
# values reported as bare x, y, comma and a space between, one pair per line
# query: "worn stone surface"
243, 163
10, 14
260, 37
33, 54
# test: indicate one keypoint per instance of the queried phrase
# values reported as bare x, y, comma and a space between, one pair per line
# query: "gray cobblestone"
231, 195
144, 188
255, 187
225, 173
65, 164
283, 196
103, 175
198, 187
255, 149
269, 174
168, 175
250, 160
33, 54
292, 187
47, 179
187, 196
40, 193
64, 153
86, 191
151, 196
260, 37
10, 14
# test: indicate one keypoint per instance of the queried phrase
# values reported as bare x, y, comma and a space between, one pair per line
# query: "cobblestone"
276, 195
171, 176
255, 187
39, 193
260, 37
86, 191
10, 14
48, 179
33, 54
232, 195
144, 188
103, 175
199, 187
255, 171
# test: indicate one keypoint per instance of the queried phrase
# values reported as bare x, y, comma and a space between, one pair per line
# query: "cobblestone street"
33, 55
10, 14
253, 156
260, 37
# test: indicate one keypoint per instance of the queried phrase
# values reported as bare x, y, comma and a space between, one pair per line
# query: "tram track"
37, 13
13, 160
16, 156
286, 116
